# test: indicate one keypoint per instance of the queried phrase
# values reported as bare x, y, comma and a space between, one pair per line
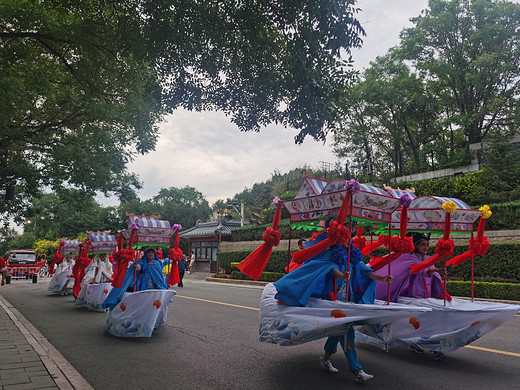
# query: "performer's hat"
149, 248
418, 237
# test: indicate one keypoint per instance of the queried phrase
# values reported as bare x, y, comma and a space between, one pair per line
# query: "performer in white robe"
96, 284
61, 280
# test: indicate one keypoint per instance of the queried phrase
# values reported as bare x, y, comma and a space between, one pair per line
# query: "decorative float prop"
138, 313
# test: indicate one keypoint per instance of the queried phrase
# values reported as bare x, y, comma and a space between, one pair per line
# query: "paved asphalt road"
210, 341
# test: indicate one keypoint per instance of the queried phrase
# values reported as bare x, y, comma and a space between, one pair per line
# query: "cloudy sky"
206, 151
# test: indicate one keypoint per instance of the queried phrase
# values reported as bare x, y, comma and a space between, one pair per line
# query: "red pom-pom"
479, 247
175, 254
445, 247
402, 245
360, 242
384, 240
338, 233
271, 236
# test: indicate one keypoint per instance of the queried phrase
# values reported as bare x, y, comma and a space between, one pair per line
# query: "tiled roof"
207, 229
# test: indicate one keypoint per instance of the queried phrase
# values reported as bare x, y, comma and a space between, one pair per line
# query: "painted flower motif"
336, 313
105, 291
122, 306
157, 303
353, 186
405, 200
276, 201
413, 321
485, 212
449, 207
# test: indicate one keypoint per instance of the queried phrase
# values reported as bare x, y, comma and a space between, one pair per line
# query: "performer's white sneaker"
362, 377
327, 366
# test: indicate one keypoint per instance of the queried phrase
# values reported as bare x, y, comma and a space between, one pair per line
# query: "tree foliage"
469, 51
452, 81
182, 206
85, 82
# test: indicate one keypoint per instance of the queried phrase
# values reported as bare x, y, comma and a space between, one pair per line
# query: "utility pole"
232, 203
325, 166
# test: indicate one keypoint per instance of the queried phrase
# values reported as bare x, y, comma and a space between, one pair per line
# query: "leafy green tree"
68, 213
46, 247
84, 83
500, 179
468, 52
182, 206
22, 241
462, 87
389, 118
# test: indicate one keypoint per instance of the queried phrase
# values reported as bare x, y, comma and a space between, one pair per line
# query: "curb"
64, 375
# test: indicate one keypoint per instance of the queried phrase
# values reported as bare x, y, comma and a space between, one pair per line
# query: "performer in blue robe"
148, 275
324, 277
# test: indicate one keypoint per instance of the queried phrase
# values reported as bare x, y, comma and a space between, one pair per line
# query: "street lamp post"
218, 233
232, 203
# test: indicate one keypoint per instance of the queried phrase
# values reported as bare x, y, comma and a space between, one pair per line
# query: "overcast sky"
208, 152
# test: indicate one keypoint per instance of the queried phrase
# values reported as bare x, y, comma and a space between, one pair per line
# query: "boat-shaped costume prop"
437, 324
139, 304
451, 323
309, 303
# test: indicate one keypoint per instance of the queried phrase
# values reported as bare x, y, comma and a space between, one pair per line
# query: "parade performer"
139, 313
145, 274
324, 276
80, 267
424, 284
3, 269
62, 276
98, 273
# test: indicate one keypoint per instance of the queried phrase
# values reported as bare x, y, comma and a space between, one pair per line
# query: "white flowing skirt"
285, 325
60, 281
139, 313
96, 295
442, 328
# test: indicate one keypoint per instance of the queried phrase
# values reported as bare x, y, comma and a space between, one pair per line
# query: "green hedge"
497, 274
506, 291
506, 216
500, 264
255, 232
276, 263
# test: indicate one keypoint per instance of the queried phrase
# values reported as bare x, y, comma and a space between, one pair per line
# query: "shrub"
265, 277
276, 263
507, 291
255, 232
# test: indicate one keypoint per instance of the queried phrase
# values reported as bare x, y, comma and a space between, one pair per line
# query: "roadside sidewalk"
28, 360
